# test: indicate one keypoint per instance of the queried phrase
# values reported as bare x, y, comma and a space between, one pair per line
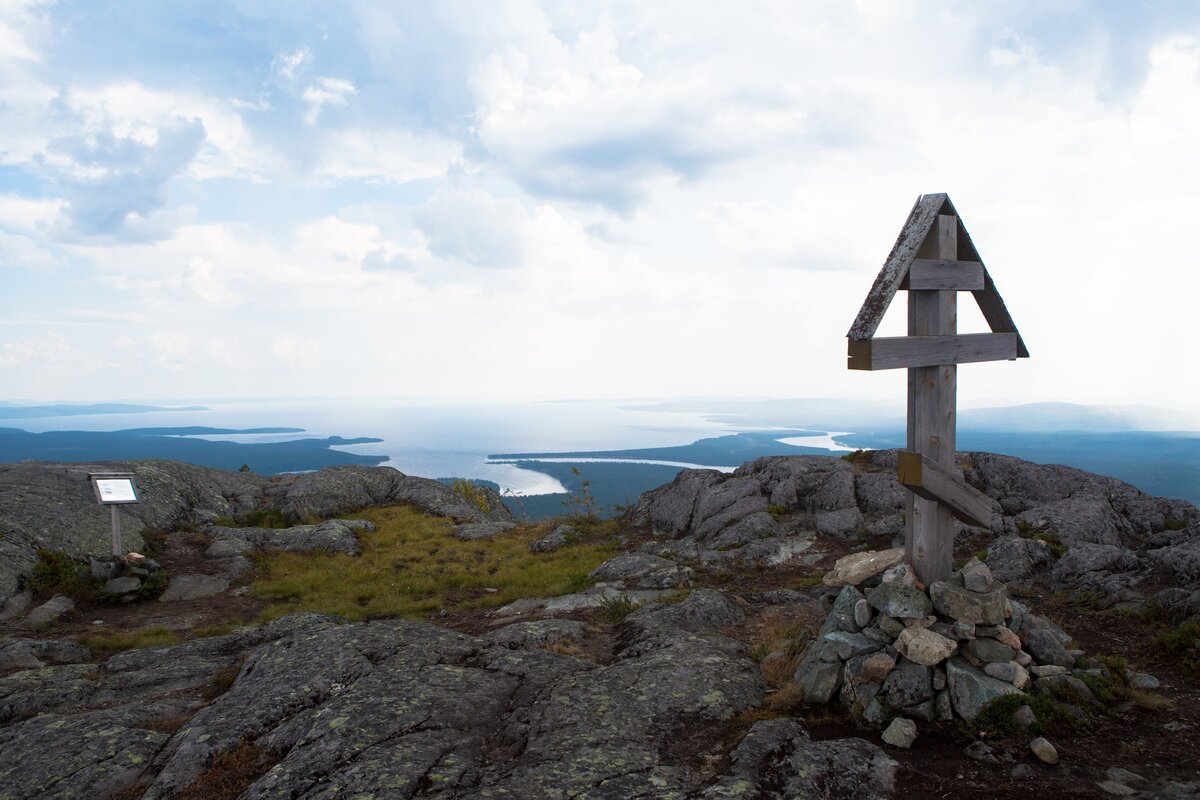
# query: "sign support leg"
116, 532
932, 395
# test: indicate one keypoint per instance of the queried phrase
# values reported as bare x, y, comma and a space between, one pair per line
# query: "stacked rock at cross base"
891, 648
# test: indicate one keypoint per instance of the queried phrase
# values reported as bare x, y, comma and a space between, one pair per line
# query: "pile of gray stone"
124, 576
892, 648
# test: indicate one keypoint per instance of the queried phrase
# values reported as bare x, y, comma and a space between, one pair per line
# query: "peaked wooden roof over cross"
904, 269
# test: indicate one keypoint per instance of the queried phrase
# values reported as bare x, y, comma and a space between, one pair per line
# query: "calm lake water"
432, 439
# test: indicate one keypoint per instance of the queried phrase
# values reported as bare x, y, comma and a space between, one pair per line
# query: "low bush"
57, 573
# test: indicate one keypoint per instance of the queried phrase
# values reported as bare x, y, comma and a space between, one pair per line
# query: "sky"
501, 199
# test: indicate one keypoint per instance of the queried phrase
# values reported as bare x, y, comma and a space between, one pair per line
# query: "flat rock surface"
377, 708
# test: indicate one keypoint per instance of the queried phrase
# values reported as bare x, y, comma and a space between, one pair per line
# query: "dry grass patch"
411, 567
776, 642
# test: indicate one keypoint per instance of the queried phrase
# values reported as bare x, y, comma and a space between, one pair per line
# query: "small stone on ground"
901, 733
1045, 751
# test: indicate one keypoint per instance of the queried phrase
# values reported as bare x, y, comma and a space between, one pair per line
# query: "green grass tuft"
614, 610
411, 567
117, 641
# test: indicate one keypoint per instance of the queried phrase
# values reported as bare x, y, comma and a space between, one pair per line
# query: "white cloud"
396, 156
326, 92
19, 22
287, 66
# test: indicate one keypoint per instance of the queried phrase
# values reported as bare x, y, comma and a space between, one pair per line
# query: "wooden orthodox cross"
933, 260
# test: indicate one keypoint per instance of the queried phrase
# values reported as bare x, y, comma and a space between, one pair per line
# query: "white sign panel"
116, 490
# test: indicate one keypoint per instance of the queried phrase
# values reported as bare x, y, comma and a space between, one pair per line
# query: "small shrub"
153, 585
614, 610
475, 495
807, 582
1183, 644
154, 542
222, 679
168, 724
1086, 598
788, 700
564, 647
1175, 524
996, 718
231, 773
264, 518
856, 456
57, 573
776, 512
1052, 542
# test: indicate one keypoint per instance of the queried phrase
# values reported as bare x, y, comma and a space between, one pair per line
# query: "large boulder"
776, 758
1077, 520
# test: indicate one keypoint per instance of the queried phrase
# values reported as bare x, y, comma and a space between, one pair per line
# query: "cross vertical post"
933, 260
932, 393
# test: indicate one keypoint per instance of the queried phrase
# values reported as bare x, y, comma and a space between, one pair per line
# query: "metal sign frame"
96, 478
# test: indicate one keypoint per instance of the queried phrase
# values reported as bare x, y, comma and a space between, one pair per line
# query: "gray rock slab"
777, 758
49, 612
702, 610
229, 546
536, 633
1013, 559
841, 615
1078, 520
958, 603
971, 690
87, 755
1044, 646
843, 523
897, 600
19, 653
988, 650
15, 606
123, 585
641, 571
193, 587
819, 679
907, 685
474, 531
556, 539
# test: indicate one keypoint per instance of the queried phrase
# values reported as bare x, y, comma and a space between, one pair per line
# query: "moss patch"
411, 566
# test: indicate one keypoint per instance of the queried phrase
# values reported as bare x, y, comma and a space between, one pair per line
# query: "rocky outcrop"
1074, 529
51, 506
403, 707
